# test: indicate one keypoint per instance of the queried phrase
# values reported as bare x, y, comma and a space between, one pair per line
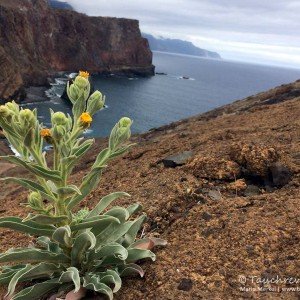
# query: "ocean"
192, 85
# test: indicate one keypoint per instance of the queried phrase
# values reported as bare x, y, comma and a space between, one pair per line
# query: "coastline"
199, 207
36, 93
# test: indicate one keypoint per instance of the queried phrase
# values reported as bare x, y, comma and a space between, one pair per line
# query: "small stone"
252, 190
208, 231
250, 250
281, 174
206, 216
180, 159
214, 195
185, 284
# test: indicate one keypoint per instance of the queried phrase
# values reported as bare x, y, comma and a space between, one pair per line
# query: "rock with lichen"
214, 168
254, 158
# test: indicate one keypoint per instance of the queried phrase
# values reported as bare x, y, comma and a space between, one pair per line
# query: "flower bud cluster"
20, 121
85, 105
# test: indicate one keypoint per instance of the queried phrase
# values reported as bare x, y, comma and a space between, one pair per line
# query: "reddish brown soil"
211, 243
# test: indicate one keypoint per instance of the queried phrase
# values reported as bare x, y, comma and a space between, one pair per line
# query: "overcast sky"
263, 31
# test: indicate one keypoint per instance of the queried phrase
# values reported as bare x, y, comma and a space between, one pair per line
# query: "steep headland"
232, 209
37, 41
178, 46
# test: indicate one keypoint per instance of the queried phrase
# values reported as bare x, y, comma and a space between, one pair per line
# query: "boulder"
255, 159
176, 160
280, 174
185, 284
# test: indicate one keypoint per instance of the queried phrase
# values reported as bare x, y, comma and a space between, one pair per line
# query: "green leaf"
33, 186
102, 158
95, 284
83, 148
130, 269
34, 168
79, 106
28, 227
111, 277
44, 219
8, 272
130, 236
37, 291
46, 173
113, 249
88, 184
118, 212
71, 275
33, 255
68, 93
63, 235
8, 128
113, 137
52, 186
121, 150
29, 272
28, 140
112, 233
137, 254
134, 208
99, 222
68, 190
47, 244
76, 154
83, 242
105, 202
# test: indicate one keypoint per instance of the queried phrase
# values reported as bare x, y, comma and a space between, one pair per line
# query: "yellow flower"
85, 119
45, 132
84, 74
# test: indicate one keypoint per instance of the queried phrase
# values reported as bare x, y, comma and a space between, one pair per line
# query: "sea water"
192, 85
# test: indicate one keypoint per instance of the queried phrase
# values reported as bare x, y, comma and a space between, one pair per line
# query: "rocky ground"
229, 207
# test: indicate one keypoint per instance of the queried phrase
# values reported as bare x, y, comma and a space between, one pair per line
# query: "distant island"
60, 5
178, 46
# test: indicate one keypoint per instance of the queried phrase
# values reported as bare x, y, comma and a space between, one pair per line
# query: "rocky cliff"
37, 41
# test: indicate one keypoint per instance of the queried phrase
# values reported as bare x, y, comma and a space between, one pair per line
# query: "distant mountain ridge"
60, 4
178, 46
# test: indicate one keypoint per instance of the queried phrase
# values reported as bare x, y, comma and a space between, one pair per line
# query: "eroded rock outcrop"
37, 41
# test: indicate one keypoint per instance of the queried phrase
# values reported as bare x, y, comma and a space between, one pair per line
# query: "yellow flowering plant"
75, 250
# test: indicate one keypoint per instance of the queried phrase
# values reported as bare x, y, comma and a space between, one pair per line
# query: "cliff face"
37, 41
